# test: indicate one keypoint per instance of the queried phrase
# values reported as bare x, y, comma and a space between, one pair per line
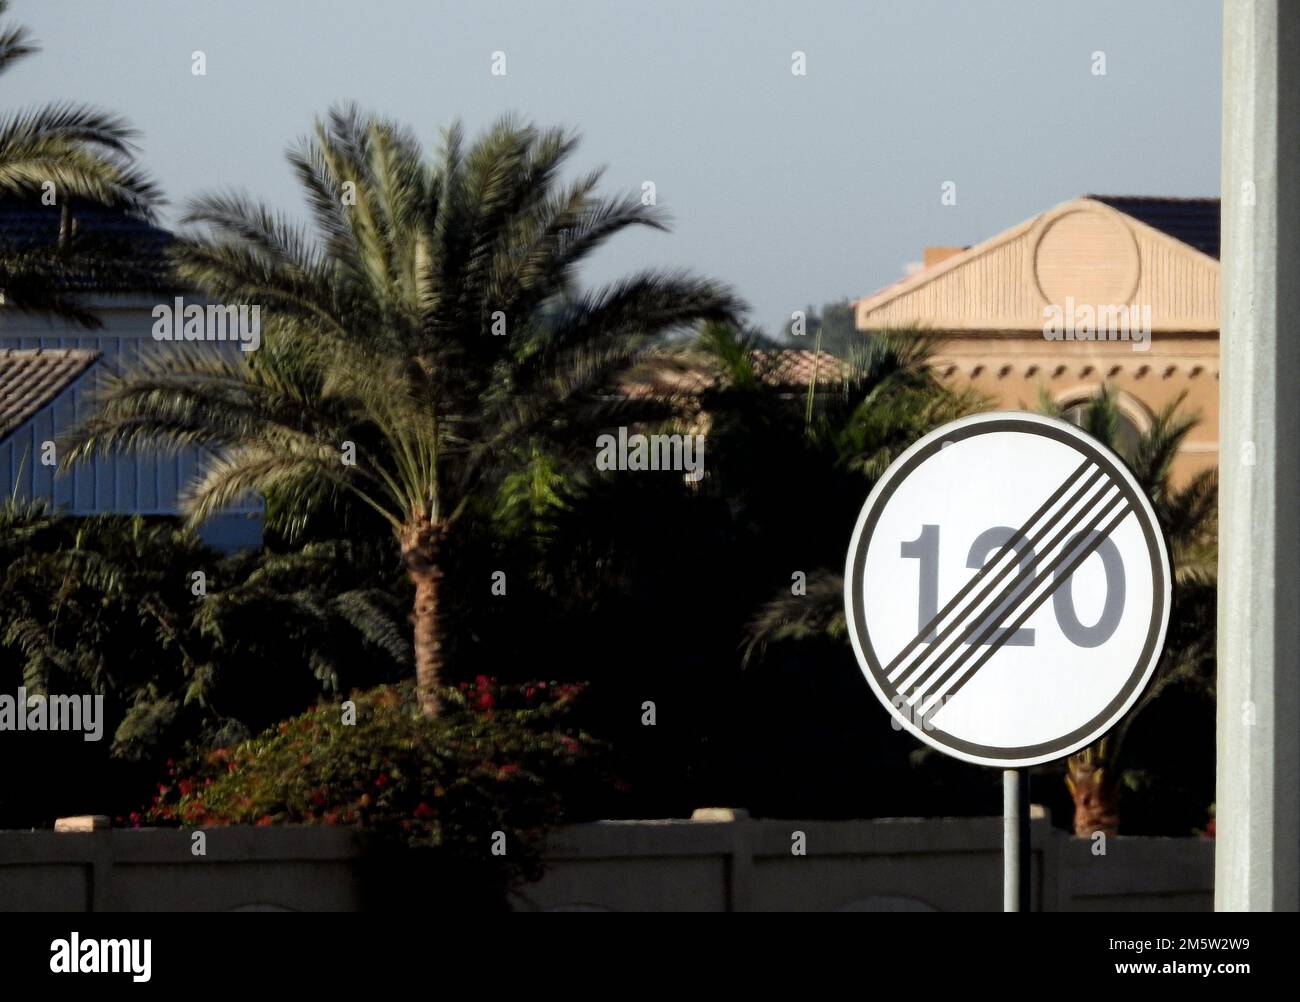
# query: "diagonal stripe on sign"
1079, 554
1005, 602
1025, 588
976, 612
1008, 548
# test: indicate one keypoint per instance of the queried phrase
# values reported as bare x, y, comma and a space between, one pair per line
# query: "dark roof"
1194, 221
30, 378
135, 244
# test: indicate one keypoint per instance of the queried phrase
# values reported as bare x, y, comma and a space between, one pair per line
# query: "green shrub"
498, 759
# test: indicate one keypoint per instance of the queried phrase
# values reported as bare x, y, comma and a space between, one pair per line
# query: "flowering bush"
498, 759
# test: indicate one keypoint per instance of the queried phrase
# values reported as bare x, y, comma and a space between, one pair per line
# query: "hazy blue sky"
795, 189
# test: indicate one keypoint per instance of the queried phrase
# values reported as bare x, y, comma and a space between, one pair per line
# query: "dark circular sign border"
960, 430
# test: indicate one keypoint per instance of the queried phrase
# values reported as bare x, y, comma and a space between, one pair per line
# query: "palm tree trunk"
421, 545
1096, 798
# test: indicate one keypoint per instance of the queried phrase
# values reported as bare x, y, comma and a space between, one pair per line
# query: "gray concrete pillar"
1257, 855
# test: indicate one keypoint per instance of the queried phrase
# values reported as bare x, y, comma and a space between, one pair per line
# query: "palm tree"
1188, 515
424, 325
78, 154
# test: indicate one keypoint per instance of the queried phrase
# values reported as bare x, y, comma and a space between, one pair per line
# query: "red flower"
264, 820
317, 798
381, 780
185, 787
423, 810
485, 700
507, 770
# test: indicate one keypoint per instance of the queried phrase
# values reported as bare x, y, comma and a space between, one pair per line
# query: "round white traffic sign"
1007, 589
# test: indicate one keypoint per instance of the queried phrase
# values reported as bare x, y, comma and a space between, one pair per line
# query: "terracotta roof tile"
31, 378
786, 368
789, 367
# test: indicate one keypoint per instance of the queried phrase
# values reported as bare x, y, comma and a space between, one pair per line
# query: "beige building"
1100, 289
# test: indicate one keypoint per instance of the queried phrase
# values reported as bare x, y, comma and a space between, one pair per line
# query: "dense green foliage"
111, 606
501, 763
650, 588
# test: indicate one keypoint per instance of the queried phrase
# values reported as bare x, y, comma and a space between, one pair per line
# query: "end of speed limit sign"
1007, 589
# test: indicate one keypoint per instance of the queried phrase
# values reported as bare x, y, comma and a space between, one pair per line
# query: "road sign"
1007, 589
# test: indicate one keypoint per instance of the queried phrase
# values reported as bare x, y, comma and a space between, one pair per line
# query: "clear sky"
795, 189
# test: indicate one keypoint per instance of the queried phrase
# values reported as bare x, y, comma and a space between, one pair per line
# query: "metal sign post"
1016, 846
1007, 593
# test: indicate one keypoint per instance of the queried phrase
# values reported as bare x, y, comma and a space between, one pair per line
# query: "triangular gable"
1084, 250
32, 378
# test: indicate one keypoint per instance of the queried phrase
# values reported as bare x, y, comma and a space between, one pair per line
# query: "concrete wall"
952, 864
744, 865
1012, 369
245, 869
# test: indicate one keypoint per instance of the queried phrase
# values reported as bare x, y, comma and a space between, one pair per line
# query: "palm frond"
818, 614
